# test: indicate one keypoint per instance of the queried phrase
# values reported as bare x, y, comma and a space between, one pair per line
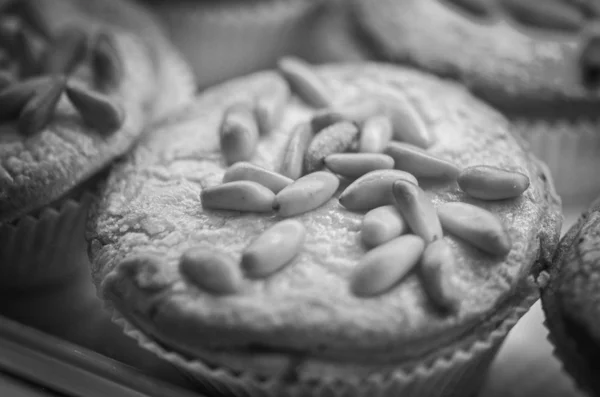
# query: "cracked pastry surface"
518, 69
37, 169
570, 299
151, 205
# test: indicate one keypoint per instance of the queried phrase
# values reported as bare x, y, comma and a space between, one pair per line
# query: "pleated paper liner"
572, 152
44, 249
460, 373
565, 348
221, 40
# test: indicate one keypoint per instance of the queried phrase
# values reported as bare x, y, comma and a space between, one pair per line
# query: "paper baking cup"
222, 40
565, 348
572, 152
461, 373
45, 249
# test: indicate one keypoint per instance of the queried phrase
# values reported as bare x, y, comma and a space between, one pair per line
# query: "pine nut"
376, 134
238, 133
97, 110
238, 196
273, 249
420, 163
408, 124
384, 266
244, 171
492, 183
38, 112
293, 158
381, 225
324, 119
417, 210
269, 110
336, 138
305, 82
435, 270
211, 271
354, 165
305, 194
477, 226
373, 190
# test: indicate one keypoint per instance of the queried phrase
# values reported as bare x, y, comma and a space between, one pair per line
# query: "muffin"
534, 62
223, 245
226, 39
570, 301
75, 96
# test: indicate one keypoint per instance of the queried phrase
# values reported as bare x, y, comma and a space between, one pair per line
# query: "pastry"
534, 62
278, 252
570, 301
75, 95
226, 39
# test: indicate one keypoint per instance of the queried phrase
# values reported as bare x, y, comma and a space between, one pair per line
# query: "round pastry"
224, 245
570, 301
534, 62
74, 95
226, 39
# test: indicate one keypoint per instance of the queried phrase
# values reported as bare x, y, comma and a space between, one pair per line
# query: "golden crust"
501, 62
151, 205
36, 170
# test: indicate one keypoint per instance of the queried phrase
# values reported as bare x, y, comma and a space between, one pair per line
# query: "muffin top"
151, 213
570, 300
573, 279
76, 93
526, 58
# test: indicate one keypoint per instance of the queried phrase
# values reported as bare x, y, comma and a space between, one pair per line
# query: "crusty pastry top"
152, 205
574, 279
523, 71
37, 169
